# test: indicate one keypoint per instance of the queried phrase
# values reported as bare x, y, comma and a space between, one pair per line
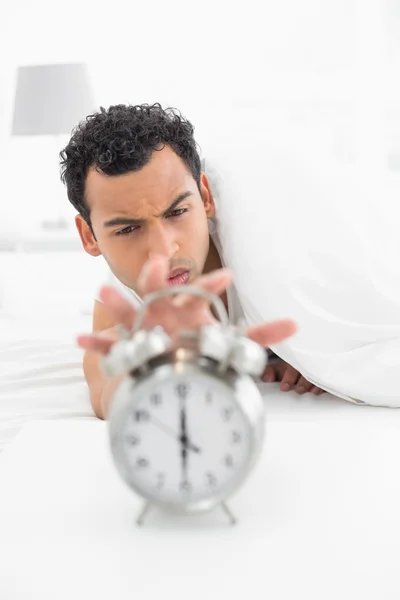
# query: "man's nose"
162, 243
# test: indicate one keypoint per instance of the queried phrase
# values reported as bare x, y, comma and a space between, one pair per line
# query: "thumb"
268, 334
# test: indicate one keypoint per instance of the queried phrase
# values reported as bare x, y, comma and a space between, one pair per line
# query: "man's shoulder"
110, 279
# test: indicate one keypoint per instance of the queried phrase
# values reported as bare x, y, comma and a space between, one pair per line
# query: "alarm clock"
186, 424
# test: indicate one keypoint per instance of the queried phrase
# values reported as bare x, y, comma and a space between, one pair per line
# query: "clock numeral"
236, 437
142, 463
182, 390
228, 460
211, 479
133, 440
227, 413
185, 486
155, 399
160, 481
141, 416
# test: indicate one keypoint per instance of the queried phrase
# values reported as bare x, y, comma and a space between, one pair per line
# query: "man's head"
133, 174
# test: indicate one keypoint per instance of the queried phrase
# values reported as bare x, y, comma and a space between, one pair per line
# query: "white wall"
325, 65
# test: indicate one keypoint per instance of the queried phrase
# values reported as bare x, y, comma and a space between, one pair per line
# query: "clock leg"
143, 513
230, 515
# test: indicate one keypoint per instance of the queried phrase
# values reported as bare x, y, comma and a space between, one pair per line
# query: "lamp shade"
51, 99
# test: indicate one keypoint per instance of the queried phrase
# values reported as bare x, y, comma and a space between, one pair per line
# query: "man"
133, 173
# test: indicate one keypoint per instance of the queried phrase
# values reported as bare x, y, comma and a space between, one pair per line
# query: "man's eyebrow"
123, 221
175, 203
138, 222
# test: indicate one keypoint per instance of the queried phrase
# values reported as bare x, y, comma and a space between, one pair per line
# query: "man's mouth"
178, 277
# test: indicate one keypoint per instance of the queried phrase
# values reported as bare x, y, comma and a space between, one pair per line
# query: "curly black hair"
122, 139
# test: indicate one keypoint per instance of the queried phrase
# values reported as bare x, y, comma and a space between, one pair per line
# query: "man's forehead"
157, 182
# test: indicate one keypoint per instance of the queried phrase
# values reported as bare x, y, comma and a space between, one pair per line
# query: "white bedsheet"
46, 298
41, 375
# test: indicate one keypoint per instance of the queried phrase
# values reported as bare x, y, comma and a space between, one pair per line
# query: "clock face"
184, 439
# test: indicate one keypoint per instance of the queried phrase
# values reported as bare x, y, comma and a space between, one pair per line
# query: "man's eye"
177, 213
127, 230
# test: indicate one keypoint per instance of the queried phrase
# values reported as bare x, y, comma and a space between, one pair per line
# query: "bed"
46, 298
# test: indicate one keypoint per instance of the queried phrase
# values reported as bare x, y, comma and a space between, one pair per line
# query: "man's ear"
206, 194
85, 233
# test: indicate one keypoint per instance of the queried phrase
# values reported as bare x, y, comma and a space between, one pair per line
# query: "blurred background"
331, 68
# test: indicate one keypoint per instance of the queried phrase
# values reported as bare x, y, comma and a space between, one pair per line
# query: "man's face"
157, 211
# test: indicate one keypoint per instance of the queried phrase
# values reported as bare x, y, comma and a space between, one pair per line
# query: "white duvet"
313, 241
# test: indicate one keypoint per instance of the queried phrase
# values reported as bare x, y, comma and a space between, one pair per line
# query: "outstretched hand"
175, 312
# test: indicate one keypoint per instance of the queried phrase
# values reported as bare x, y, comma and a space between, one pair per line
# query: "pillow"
307, 238
49, 283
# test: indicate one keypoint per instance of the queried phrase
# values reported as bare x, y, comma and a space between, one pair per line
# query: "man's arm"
173, 315
101, 387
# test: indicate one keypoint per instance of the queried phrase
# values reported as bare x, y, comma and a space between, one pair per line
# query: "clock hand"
183, 440
184, 462
168, 430
192, 447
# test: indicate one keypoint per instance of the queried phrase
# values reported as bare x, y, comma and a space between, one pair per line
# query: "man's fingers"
215, 283
153, 276
303, 386
268, 334
273, 333
289, 379
317, 391
95, 343
269, 374
118, 306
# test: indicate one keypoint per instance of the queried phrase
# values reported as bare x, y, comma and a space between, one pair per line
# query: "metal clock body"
186, 425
